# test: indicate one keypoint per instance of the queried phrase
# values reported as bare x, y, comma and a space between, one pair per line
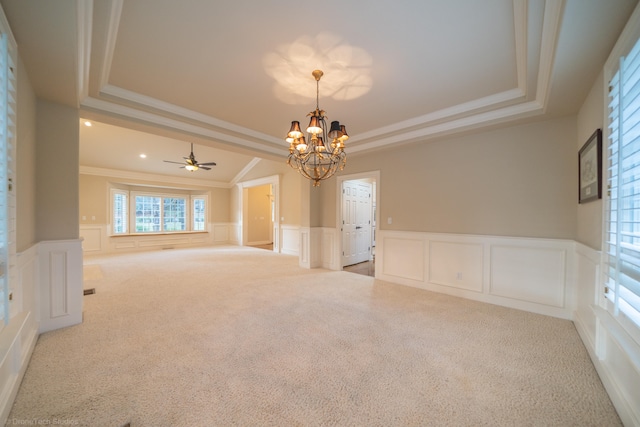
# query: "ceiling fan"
191, 164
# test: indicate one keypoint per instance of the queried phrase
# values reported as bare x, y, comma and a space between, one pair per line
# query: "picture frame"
590, 169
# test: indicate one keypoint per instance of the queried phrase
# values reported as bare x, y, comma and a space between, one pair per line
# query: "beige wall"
590, 118
259, 214
26, 158
517, 181
290, 187
290, 191
57, 161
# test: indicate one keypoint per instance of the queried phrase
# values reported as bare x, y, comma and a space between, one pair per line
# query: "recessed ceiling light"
143, 156
87, 123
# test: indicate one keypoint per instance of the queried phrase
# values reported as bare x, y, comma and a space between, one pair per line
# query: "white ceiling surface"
230, 76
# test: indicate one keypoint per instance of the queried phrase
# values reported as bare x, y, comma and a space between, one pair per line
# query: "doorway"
357, 207
258, 206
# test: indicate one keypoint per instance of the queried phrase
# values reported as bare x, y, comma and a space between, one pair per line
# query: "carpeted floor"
240, 336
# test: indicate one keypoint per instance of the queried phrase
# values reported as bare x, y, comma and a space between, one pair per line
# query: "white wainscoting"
60, 284
97, 240
19, 337
290, 240
614, 352
523, 273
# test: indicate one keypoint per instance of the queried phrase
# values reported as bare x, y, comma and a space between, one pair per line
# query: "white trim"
164, 181
336, 252
245, 170
494, 269
110, 45
273, 180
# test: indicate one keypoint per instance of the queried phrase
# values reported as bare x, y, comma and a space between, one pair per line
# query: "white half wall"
96, 239
614, 352
528, 274
19, 337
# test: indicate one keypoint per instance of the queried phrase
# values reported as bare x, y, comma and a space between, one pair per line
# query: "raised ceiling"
230, 76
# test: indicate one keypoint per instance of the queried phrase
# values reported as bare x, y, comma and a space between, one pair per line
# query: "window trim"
606, 301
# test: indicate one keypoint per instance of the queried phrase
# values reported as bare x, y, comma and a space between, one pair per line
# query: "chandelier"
317, 159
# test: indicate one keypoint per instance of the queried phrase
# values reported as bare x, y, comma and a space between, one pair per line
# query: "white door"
356, 222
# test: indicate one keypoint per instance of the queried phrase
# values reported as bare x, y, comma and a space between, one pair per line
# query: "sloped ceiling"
157, 75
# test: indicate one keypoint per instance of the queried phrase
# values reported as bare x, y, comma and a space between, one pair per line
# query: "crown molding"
245, 170
124, 95
486, 111
110, 108
527, 109
443, 116
551, 27
155, 178
84, 27
112, 36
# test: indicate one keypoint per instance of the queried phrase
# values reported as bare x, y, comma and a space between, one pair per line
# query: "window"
120, 211
147, 214
175, 214
622, 206
199, 217
7, 173
156, 213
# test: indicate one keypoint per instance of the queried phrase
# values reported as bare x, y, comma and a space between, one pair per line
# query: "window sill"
165, 233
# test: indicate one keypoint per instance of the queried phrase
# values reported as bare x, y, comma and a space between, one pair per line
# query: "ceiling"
157, 75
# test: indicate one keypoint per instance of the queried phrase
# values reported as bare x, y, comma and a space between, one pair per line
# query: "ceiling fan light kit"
317, 160
191, 164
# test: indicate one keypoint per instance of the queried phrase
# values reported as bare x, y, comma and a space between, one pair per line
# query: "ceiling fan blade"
204, 167
207, 164
178, 163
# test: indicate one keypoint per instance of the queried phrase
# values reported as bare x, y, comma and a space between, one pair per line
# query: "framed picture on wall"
590, 169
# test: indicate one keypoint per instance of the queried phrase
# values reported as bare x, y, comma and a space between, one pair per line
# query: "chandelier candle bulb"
325, 154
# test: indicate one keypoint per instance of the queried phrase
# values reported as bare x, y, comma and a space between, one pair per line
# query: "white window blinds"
7, 160
622, 206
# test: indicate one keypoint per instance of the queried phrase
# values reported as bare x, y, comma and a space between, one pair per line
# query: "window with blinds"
7, 159
622, 206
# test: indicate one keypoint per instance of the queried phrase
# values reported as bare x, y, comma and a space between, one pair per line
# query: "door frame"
371, 175
243, 187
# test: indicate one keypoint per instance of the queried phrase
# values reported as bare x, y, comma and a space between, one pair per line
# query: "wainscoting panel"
60, 287
19, 337
290, 240
330, 249
403, 257
220, 233
91, 238
97, 240
613, 351
529, 274
305, 247
458, 265
58, 290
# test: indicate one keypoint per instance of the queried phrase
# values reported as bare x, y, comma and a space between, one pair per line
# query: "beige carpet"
241, 336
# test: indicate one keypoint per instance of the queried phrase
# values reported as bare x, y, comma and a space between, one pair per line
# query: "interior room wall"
57, 173
290, 188
518, 181
94, 198
590, 118
26, 159
259, 218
